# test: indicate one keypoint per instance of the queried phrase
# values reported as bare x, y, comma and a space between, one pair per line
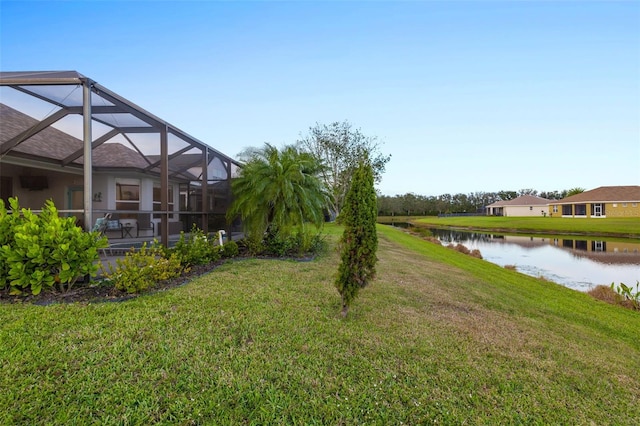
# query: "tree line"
473, 202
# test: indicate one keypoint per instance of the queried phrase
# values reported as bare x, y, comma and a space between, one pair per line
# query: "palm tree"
278, 190
574, 191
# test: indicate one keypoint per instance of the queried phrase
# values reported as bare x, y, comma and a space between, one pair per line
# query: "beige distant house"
525, 205
602, 202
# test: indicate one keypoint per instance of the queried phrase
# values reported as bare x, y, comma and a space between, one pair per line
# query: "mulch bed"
98, 292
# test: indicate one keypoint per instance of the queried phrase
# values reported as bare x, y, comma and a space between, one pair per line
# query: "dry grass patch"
607, 294
464, 250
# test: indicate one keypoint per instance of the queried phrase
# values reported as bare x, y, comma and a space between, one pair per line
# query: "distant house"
525, 205
605, 201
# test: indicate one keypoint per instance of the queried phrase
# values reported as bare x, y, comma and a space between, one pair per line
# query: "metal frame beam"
32, 131
88, 163
102, 139
174, 155
164, 187
205, 192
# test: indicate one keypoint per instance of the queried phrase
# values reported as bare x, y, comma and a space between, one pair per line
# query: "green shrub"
40, 251
296, 244
140, 270
279, 245
230, 249
309, 243
254, 246
7, 238
195, 249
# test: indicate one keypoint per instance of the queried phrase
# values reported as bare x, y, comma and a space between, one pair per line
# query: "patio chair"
114, 225
101, 227
145, 224
101, 224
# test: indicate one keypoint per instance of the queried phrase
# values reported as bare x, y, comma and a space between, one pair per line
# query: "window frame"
157, 205
128, 204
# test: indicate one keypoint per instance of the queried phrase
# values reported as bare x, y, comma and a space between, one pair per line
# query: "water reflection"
577, 262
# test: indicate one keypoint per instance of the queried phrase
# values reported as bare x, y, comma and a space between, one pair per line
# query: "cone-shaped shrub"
359, 241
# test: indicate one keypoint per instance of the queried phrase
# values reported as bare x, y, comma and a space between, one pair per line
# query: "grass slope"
623, 227
438, 337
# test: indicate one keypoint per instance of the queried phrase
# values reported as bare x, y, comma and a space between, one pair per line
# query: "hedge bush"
44, 251
141, 269
196, 248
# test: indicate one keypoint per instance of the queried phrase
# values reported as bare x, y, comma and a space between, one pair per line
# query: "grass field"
438, 337
624, 227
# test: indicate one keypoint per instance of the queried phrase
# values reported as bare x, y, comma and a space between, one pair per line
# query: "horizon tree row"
474, 202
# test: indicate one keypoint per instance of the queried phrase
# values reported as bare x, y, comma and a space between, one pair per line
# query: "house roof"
40, 146
14, 122
523, 200
605, 194
124, 134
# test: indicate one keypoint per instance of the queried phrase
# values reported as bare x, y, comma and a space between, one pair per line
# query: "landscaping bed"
103, 290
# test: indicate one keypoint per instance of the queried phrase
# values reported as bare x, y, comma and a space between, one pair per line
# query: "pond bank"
626, 228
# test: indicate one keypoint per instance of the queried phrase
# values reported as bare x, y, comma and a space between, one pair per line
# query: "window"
597, 210
567, 210
581, 210
624, 204
555, 209
156, 200
127, 196
634, 204
581, 245
530, 208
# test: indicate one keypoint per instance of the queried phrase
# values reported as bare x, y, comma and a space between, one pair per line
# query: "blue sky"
465, 96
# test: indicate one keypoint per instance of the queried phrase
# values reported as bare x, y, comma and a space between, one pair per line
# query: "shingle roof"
605, 194
116, 155
523, 200
107, 155
14, 122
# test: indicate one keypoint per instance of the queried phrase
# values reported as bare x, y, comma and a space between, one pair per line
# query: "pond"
577, 262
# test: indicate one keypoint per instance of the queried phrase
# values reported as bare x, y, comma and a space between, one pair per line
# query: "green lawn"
625, 227
438, 337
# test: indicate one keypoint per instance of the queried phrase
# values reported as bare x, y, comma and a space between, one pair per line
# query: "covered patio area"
67, 138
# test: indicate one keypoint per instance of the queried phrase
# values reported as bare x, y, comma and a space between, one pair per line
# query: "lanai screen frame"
98, 104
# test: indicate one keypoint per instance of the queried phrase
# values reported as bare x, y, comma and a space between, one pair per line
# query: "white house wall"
58, 185
525, 210
100, 191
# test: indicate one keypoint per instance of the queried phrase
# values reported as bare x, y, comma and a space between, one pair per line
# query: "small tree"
359, 240
340, 147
